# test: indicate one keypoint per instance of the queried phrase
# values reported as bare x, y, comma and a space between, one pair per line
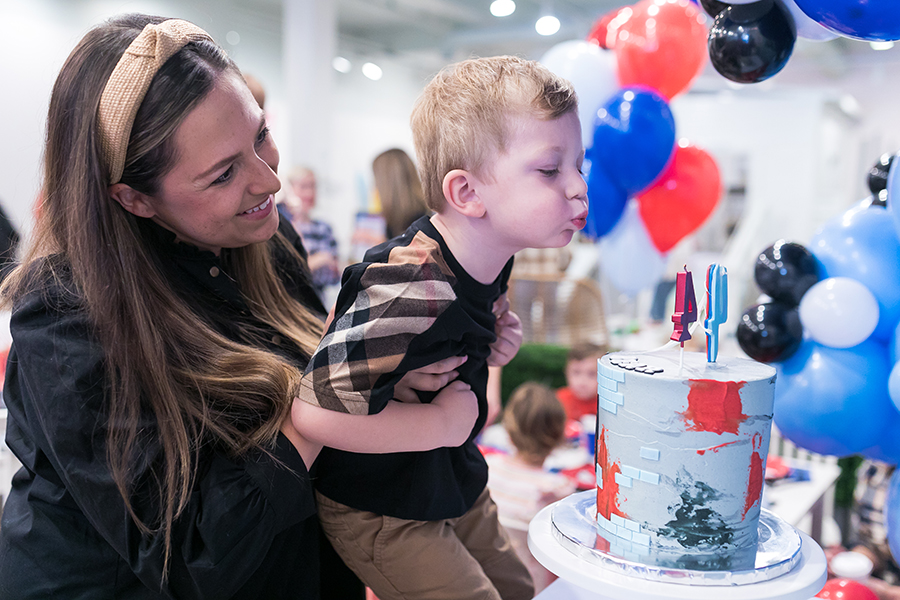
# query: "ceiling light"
881, 45
372, 71
503, 8
547, 25
233, 38
341, 64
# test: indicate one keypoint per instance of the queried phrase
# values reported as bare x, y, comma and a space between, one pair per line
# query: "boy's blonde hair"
535, 420
465, 112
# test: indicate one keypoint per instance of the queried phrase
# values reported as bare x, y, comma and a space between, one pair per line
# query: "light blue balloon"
894, 387
862, 244
893, 190
894, 346
892, 513
834, 400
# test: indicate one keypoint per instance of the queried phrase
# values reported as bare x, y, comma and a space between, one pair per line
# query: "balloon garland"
830, 321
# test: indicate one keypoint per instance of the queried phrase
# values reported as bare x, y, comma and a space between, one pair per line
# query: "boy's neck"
472, 248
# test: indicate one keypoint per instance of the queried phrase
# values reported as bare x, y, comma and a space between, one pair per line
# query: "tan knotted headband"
130, 80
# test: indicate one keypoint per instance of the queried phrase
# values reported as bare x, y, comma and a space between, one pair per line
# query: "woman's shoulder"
48, 282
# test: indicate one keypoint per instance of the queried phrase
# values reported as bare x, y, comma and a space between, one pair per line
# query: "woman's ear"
461, 193
133, 201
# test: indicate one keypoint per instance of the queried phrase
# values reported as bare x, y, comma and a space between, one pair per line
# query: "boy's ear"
132, 200
461, 193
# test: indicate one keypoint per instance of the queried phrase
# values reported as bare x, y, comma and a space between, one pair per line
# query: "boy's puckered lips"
581, 220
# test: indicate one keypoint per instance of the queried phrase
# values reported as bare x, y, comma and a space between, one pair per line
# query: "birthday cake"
680, 457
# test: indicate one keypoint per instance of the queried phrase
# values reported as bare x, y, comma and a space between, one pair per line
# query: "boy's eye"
224, 176
548, 172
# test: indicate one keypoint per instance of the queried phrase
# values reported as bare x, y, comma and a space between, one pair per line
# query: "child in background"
499, 148
535, 422
579, 397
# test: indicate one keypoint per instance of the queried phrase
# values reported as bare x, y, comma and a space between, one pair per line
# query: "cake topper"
685, 307
716, 307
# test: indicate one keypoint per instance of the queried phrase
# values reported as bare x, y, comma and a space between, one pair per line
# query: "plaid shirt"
406, 306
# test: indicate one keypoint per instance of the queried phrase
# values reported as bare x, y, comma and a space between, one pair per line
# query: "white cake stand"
801, 583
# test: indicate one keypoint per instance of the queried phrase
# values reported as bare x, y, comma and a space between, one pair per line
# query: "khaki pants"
469, 557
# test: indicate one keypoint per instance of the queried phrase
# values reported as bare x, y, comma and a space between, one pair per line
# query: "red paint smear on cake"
754, 486
715, 448
714, 406
608, 495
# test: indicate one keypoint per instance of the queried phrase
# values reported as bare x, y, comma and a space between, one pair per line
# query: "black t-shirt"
407, 305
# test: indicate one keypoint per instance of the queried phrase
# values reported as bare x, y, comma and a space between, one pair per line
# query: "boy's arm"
400, 427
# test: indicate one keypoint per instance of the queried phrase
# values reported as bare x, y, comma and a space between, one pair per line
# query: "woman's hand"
509, 334
459, 410
428, 379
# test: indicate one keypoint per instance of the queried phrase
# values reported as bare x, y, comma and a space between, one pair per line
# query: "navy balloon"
749, 43
606, 202
863, 245
713, 7
871, 20
834, 400
770, 332
634, 138
785, 271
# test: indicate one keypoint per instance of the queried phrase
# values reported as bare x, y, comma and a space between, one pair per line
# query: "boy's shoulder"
415, 256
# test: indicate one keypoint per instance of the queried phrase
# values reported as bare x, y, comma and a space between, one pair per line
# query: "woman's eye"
224, 176
263, 134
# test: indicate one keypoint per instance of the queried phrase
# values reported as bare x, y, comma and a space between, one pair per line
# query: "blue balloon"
606, 202
634, 138
893, 191
894, 346
834, 400
888, 448
872, 20
892, 513
862, 244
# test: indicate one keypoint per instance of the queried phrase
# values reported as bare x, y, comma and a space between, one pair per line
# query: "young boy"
579, 397
499, 149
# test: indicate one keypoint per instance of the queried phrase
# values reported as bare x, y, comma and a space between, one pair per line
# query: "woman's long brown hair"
161, 357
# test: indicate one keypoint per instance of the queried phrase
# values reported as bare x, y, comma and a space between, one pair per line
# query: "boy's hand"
428, 379
459, 406
509, 334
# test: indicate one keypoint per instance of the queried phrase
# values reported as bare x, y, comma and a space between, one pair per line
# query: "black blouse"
248, 530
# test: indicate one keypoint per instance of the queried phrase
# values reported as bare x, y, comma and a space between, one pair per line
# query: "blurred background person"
520, 486
318, 238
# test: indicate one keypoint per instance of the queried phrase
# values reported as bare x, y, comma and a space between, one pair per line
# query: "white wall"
804, 160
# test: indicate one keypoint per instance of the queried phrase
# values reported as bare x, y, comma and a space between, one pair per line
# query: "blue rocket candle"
716, 307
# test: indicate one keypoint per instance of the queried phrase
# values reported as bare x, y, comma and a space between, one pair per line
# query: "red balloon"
662, 45
603, 33
846, 589
682, 198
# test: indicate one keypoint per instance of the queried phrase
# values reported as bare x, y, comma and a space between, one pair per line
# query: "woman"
399, 190
161, 319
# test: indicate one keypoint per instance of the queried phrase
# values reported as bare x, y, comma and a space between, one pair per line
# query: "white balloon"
839, 312
592, 71
628, 257
806, 27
